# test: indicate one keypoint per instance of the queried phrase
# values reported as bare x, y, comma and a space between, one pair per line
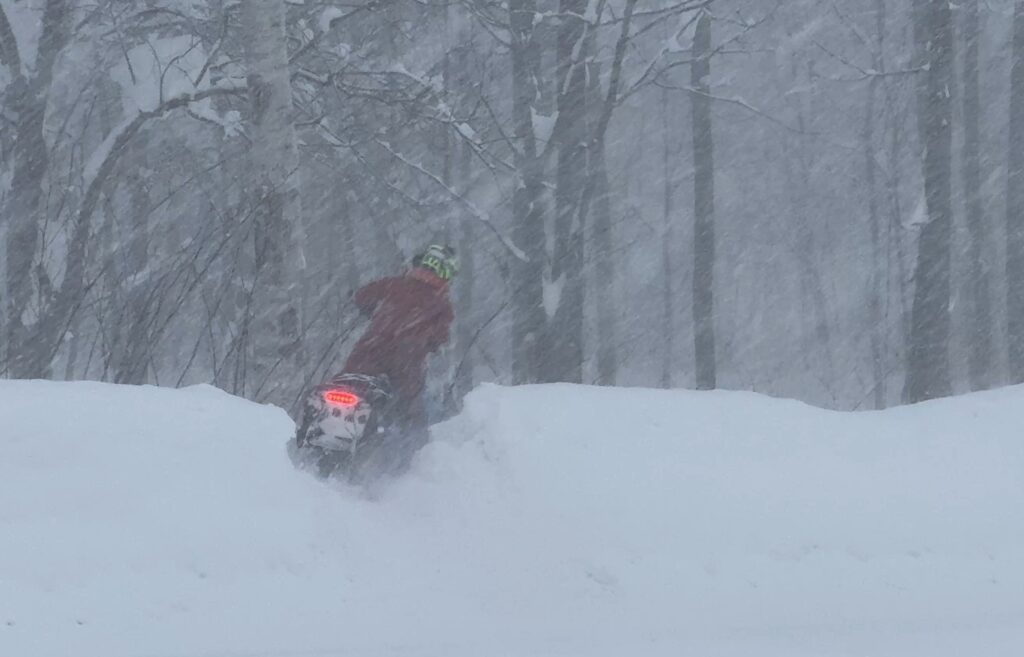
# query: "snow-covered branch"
474, 211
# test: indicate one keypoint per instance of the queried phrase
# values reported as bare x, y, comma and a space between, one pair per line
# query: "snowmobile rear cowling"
339, 417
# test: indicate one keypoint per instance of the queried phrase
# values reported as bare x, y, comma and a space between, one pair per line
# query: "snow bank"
548, 520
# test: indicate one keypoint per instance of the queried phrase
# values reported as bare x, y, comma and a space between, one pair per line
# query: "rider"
410, 318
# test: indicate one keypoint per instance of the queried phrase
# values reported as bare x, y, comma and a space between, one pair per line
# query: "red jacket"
411, 317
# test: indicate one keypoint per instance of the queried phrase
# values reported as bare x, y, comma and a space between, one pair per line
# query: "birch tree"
273, 191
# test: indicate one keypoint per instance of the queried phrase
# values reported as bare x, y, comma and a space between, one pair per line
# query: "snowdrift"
547, 520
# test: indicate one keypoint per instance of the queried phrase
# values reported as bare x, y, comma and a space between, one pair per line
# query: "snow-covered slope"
549, 520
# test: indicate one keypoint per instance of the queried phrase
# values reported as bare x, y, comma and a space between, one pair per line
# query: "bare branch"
469, 205
9, 55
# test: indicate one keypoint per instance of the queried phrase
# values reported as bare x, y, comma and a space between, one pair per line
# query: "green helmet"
439, 259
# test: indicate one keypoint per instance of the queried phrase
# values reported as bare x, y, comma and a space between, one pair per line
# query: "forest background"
817, 199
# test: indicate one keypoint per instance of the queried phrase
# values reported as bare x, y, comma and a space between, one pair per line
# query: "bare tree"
563, 344
465, 297
26, 99
135, 293
704, 207
667, 278
527, 203
603, 258
928, 357
980, 324
1015, 205
877, 327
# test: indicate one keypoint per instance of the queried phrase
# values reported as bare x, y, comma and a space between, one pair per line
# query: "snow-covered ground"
548, 520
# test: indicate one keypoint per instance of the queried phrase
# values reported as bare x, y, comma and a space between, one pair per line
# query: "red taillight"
341, 398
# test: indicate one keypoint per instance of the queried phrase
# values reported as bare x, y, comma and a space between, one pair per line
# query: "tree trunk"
979, 328
345, 227
1015, 206
133, 362
667, 294
928, 359
465, 331
920, 12
798, 164
877, 325
527, 210
26, 100
704, 208
273, 189
563, 345
602, 258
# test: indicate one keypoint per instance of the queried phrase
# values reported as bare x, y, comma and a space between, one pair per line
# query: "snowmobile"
343, 421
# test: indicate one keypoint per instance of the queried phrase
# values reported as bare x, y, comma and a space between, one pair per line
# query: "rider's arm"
368, 296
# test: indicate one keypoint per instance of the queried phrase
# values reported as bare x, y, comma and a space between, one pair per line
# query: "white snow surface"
544, 520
